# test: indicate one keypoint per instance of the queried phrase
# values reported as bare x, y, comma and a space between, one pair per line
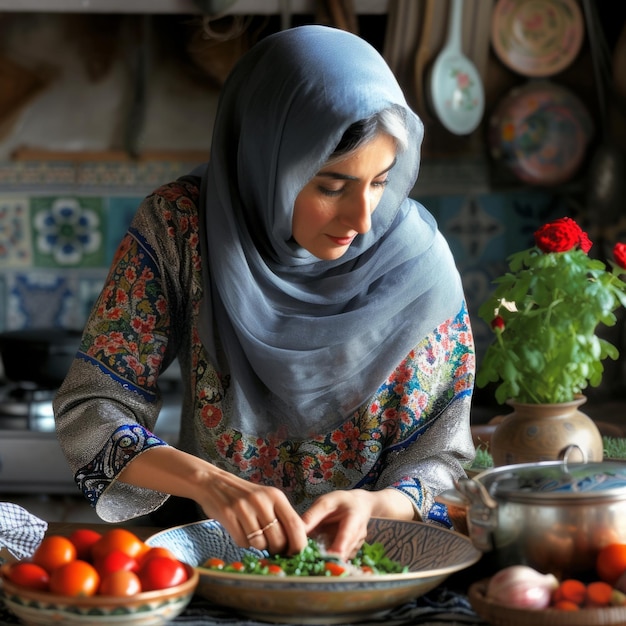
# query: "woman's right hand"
242, 507
254, 515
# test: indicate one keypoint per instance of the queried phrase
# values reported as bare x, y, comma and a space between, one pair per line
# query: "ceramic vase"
542, 432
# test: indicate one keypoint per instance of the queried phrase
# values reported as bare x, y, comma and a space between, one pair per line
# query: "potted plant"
545, 313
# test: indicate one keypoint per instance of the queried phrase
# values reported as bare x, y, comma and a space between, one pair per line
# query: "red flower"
497, 323
619, 253
562, 235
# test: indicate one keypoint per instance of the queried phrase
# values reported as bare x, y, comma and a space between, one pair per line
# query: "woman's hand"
254, 515
243, 508
341, 517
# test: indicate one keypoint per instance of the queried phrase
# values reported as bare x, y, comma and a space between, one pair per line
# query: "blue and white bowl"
430, 552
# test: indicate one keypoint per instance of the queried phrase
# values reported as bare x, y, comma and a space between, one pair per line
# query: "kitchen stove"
26, 407
31, 460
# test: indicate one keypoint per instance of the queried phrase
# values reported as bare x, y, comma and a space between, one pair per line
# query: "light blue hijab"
305, 341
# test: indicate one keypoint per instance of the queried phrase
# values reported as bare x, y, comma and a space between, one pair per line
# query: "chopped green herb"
311, 561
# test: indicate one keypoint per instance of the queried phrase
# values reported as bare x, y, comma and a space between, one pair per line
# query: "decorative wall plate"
537, 38
541, 132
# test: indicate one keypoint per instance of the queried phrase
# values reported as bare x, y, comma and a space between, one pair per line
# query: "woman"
316, 313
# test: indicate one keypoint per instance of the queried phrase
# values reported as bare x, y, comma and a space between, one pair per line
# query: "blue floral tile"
40, 299
490, 227
120, 214
68, 231
15, 232
472, 231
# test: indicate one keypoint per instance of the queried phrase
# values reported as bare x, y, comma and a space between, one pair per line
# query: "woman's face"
336, 205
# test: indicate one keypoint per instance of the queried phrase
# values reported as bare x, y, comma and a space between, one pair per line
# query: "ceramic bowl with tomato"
429, 552
148, 608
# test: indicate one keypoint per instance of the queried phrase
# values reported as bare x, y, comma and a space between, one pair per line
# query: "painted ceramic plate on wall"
541, 132
537, 38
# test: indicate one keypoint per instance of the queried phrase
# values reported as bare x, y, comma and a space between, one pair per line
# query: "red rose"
585, 243
562, 235
497, 323
619, 253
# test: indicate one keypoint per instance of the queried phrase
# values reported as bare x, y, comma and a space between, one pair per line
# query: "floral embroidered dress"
413, 435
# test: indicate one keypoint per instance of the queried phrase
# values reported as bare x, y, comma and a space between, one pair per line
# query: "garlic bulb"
522, 587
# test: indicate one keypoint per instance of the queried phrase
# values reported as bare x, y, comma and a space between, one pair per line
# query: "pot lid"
554, 481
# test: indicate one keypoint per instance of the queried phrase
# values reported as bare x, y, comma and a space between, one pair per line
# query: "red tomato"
275, 570
120, 583
116, 561
161, 572
83, 539
53, 552
611, 562
29, 575
156, 551
334, 569
118, 539
214, 563
77, 578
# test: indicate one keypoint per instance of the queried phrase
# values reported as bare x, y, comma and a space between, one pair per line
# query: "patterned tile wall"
482, 231
59, 227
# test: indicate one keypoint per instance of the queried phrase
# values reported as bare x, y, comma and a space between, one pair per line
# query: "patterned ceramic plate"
537, 37
431, 553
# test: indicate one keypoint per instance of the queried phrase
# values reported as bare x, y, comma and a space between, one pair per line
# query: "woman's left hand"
342, 517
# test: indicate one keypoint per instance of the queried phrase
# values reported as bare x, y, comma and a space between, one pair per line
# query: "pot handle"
476, 493
565, 454
452, 497
482, 514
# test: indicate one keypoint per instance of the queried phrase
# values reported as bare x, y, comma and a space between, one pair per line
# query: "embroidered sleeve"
108, 405
429, 397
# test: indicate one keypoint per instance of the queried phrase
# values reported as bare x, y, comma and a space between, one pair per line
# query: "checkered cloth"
20, 532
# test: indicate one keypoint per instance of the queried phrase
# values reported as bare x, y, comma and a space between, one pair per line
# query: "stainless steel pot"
554, 516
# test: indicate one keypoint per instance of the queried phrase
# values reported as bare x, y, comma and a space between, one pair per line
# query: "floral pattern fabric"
413, 435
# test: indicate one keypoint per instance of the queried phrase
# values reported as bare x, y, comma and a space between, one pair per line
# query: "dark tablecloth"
440, 607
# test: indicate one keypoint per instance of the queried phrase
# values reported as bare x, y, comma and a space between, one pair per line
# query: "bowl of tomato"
402, 560
97, 579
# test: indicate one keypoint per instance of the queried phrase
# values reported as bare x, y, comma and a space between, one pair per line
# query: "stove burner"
22, 392
26, 407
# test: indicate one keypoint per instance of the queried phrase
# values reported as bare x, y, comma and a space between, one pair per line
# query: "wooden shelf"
244, 7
